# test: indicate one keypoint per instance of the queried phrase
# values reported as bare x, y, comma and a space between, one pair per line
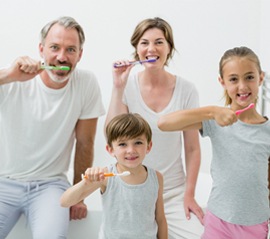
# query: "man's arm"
22, 69
84, 150
84, 156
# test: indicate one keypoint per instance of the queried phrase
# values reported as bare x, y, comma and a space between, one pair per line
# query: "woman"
154, 92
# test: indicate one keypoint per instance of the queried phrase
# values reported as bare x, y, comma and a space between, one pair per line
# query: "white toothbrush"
125, 173
135, 62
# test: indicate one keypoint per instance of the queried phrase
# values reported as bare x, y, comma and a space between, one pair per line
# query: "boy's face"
130, 152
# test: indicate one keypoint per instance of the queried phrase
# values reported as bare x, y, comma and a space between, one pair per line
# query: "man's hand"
78, 211
23, 69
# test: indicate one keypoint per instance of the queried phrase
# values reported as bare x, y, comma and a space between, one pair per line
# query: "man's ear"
40, 47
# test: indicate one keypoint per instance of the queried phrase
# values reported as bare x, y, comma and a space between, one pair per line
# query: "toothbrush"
63, 68
238, 112
135, 62
125, 173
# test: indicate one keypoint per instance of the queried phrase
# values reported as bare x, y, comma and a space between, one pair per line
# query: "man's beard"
56, 78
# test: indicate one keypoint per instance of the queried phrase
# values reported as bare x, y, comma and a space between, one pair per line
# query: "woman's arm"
160, 215
120, 78
116, 106
193, 160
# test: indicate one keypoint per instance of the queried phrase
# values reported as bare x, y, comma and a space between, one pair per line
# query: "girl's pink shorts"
215, 228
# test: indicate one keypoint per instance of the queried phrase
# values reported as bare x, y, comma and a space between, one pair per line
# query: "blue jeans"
39, 202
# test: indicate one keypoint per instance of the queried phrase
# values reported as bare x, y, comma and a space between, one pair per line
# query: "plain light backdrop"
203, 30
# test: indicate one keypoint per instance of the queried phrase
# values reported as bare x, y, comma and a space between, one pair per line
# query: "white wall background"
203, 30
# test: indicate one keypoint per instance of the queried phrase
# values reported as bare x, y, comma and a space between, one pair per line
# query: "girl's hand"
120, 74
224, 116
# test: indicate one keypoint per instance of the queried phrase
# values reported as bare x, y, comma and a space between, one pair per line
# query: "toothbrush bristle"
64, 68
125, 173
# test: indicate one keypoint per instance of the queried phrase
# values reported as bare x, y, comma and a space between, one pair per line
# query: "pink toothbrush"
238, 112
135, 62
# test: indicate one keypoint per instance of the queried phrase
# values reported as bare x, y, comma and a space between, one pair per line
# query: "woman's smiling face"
153, 45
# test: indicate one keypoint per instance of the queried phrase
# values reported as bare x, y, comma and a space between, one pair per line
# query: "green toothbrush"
63, 68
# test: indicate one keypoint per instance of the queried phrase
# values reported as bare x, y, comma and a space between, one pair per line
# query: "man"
42, 113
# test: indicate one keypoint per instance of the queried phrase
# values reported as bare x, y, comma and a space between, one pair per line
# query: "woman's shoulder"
186, 90
184, 82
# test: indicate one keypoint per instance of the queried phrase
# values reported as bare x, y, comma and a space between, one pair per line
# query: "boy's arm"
78, 192
160, 215
94, 179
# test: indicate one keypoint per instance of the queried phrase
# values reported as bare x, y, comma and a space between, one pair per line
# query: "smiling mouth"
244, 95
131, 158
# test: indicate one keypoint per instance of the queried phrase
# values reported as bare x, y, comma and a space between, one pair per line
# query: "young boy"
133, 204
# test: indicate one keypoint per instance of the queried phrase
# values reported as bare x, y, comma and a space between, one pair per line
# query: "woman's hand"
120, 74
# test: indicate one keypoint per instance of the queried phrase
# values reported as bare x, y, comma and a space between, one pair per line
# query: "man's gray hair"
67, 22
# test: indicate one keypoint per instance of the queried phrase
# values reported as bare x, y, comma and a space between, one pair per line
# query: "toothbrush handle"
109, 174
105, 175
121, 65
43, 67
238, 112
131, 63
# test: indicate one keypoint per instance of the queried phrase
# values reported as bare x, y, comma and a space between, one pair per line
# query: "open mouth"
152, 58
243, 96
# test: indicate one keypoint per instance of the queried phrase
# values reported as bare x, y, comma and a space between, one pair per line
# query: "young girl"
238, 206
132, 205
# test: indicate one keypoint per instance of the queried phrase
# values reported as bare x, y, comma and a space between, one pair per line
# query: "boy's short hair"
129, 125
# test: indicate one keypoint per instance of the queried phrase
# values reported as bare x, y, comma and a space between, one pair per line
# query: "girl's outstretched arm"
192, 118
